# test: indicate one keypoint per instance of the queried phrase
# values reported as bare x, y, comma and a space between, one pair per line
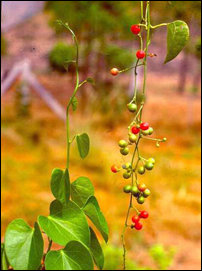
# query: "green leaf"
60, 185
81, 190
90, 80
74, 104
74, 256
92, 210
96, 250
4, 260
83, 143
65, 223
23, 245
177, 37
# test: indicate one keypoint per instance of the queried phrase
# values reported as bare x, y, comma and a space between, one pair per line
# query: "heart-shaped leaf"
4, 259
60, 185
74, 104
83, 143
81, 190
74, 256
92, 210
65, 223
96, 250
23, 245
177, 37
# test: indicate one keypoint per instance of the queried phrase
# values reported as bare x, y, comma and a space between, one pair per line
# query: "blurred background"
35, 52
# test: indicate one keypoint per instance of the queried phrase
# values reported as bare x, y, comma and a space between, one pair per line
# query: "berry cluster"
136, 220
140, 192
137, 130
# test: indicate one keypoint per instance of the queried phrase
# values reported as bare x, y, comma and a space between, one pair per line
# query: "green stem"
130, 68
142, 10
135, 84
129, 207
49, 246
73, 95
148, 23
136, 150
158, 25
153, 139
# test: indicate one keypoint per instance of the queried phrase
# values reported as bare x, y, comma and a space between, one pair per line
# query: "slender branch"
148, 23
153, 139
132, 67
74, 92
158, 25
135, 85
142, 10
129, 207
49, 246
139, 113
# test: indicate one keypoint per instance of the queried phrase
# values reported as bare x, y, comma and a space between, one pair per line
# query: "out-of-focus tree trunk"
184, 66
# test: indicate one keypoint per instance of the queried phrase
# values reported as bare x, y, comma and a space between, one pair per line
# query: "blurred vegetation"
97, 24
61, 56
117, 56
162, 258
97, 28
3, 45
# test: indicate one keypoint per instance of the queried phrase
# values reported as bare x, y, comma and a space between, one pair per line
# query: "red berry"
135, 29
135, 219
144, 214
142, 187
135, 130
140, 54
138, 226
144, 126
114, 71
114, 169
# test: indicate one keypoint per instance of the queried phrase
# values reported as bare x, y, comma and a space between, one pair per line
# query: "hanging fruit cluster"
137, 130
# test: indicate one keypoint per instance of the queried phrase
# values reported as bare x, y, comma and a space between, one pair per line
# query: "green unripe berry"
149, 166
141, 170
151, 160
132, 138
124, 151
123, 143
150, 130
146, 193
135, 191
141, 200
127, 189
164, 139
145, 133
132, 107
128, 165
126, 175
157, 145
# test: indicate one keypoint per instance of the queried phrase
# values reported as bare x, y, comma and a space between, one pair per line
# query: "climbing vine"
138, 129
67, 224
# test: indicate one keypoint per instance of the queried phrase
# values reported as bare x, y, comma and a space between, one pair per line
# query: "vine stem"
139, 113
49, 246
77, 86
